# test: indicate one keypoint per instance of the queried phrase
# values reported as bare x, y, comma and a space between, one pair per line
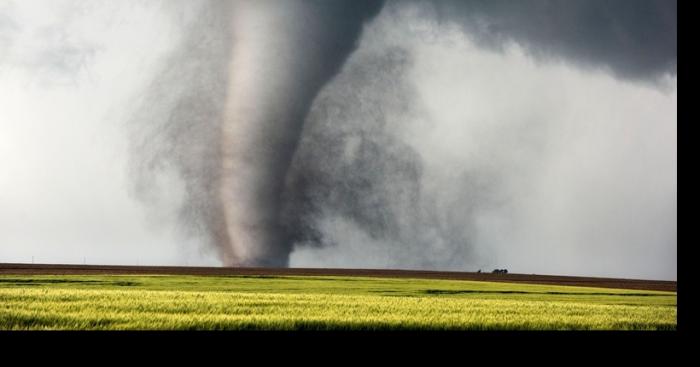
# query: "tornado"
280, 135
282, 54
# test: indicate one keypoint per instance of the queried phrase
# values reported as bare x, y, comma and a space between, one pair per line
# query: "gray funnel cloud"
283, 53
232, 102
294, 126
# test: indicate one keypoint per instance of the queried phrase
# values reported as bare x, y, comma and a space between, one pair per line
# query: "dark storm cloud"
263, 178
635, 39
370, 186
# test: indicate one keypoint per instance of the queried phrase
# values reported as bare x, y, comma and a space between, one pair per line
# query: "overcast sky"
535, 148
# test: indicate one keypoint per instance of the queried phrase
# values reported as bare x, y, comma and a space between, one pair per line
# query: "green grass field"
320, 303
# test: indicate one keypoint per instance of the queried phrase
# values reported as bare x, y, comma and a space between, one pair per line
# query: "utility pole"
32, 259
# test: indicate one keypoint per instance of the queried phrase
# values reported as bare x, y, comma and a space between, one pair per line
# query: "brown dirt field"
55, 269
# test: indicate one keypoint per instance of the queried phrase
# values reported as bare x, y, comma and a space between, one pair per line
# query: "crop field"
186, 302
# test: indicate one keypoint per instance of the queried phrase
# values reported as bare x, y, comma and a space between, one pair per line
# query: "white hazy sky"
69, 73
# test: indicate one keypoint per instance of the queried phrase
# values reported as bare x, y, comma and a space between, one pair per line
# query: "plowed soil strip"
56, 269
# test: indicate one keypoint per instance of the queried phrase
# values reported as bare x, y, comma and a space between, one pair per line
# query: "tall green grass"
320, 303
